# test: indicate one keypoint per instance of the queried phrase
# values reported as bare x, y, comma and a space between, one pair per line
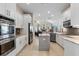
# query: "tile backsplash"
71, 31
18, 31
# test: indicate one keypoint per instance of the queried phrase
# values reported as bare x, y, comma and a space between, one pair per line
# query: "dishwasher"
52, 37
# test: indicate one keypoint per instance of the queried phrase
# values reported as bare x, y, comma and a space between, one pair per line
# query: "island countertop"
72, 38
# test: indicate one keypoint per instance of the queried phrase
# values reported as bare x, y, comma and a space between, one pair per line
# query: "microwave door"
4, 30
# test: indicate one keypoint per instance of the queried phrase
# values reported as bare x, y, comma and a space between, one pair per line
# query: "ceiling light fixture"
39, 14
48, 12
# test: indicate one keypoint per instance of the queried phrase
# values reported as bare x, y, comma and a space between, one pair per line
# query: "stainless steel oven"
7, 35
7, 45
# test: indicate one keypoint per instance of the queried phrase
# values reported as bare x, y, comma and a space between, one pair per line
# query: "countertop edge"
68, 38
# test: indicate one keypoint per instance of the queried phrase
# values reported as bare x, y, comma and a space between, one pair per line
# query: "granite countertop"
72, 38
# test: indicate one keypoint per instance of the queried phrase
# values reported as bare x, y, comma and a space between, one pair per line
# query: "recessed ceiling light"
28, 3
48, 12
39, 14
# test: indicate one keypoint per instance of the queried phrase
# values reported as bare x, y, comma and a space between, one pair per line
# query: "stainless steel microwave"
6, 28
67, 24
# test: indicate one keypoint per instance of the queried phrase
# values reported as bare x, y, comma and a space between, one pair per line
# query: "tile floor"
32, 50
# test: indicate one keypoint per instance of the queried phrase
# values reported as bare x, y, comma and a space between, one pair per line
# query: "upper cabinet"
2, 8
75, 14
8, 10
19, 18
11, 10
72, 14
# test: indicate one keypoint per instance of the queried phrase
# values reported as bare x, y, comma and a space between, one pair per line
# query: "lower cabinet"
59, 40
20, 43
71, 48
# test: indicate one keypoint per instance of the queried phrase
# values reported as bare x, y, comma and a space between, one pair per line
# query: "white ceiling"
43, 8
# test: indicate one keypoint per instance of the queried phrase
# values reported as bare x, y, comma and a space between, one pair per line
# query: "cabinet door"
26, 40
69, 48
13, 10
19, 20
7, 9
17, 45
23, 38
10, 9
2, 8
75, 14
59, 40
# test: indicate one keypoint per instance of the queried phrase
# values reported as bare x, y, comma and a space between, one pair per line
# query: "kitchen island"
44, 42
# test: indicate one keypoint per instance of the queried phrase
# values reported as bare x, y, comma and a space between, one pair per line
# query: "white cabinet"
8, 9
75, 14
59, 40
20, 43
2, 8
19, 20
70, 48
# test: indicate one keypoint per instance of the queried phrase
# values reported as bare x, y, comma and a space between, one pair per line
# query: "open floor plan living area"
39, 29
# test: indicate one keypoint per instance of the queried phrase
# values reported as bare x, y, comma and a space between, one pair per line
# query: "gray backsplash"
72, 31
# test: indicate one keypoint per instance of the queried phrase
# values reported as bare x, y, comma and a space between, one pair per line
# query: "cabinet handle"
8, 12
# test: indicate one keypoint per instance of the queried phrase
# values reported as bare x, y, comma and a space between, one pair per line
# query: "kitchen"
22, 25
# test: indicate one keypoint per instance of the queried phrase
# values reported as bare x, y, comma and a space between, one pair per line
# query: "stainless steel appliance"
67, 24
52, 37
30, 34
7, 45
7, 35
